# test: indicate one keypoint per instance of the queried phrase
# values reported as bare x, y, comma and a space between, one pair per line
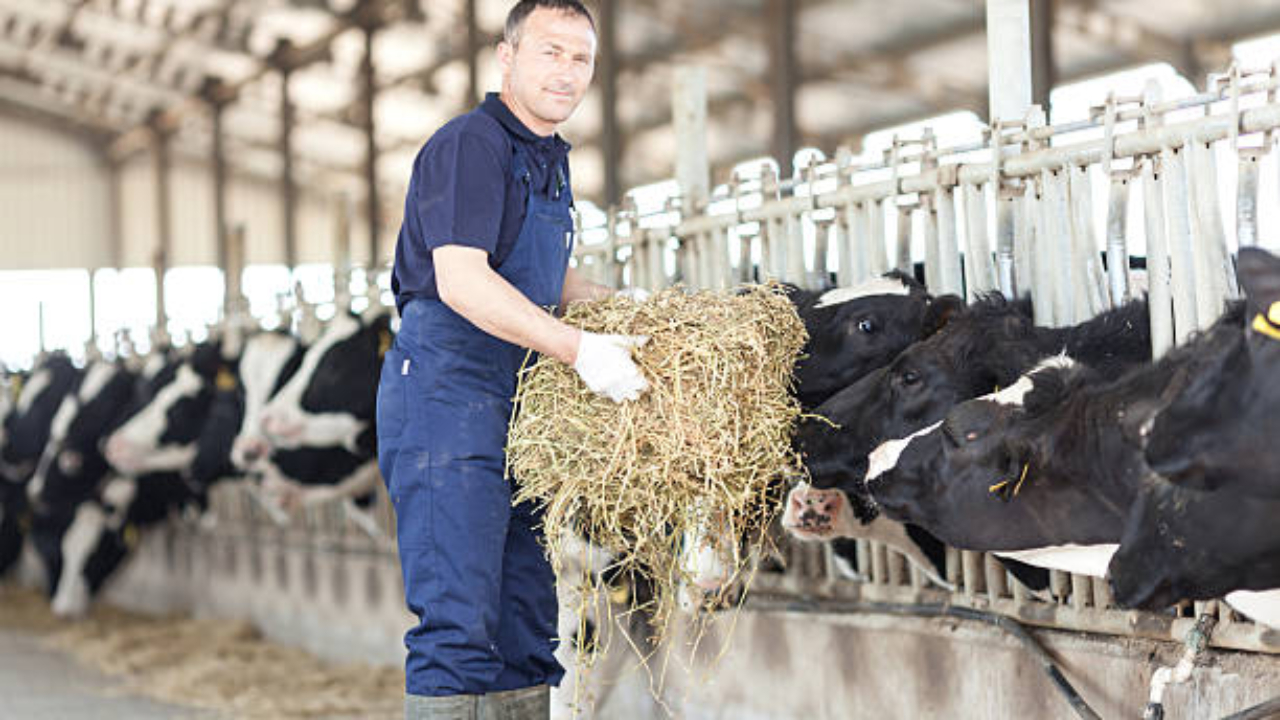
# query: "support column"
689, 120
610, 133
473, 54
1009, 99
1044, 71
369, 92
217, 96
1009, 58
282, 61
160, 258
783, 77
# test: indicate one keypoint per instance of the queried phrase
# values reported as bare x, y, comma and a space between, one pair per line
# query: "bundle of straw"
700, 452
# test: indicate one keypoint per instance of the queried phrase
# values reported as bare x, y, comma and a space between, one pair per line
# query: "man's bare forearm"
472, 289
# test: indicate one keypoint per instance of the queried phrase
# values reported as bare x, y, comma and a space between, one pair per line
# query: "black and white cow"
1204, 523
983, 348
68, 478
851, 331
320, 425
162, 435
1047, 470
26, 429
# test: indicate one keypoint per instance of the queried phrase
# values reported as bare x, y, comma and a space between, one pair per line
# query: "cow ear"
939, 312
1259, 273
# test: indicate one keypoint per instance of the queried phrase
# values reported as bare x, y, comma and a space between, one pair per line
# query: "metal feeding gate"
1015, 213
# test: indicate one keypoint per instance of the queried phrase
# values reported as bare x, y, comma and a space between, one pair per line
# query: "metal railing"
1013, 213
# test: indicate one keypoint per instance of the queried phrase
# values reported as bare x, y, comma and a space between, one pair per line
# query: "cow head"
330, 400
268, 362
972, 354
161, 435
976, 479
72, 464
854, 330
28, 423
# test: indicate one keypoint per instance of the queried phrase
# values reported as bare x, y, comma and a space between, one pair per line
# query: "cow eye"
910, 377
866, 326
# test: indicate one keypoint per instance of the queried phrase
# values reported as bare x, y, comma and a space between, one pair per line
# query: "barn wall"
56, 208
54, 200
252, 202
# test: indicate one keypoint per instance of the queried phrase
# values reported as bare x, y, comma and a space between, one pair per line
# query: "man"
482, 254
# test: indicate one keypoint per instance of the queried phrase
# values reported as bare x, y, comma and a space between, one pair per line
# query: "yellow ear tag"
224, 380
1263, 327
620, 593
1273, 313
130, 536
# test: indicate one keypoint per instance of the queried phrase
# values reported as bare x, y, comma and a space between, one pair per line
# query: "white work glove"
638, 294
604, 363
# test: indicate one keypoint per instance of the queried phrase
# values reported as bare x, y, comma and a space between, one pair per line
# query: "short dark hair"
516, 18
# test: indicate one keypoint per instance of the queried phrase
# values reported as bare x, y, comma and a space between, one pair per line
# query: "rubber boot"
531, 703
444, 707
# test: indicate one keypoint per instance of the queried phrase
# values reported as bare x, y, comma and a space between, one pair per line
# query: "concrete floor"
39, 683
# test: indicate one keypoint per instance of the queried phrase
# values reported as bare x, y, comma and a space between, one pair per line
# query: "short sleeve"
459, 198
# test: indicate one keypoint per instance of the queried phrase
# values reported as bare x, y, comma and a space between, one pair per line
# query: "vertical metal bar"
780, 16
288, 188
1059, 583
1091, 286
744, 262
610, 130
1011, 215
795, 270
848, 272
933, 278
877, 258
879, 564
341, 253
1158, 269
997, 588
473, 48
160, 258
948, 246
979, 272
1181, 254
1247, 198
1030, 258
821, 247
372, 203
1215, 279
216, 97
1081, 591
972, 573
902, 255
1117, 246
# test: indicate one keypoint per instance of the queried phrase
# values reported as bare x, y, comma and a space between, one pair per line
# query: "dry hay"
220, 665
703, 448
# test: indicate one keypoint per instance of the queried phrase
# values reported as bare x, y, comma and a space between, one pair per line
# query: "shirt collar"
495, 107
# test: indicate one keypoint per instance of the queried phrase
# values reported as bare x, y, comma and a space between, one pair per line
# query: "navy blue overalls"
475, 573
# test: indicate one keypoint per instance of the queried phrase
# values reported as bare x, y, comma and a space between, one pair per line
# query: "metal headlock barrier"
1013, 213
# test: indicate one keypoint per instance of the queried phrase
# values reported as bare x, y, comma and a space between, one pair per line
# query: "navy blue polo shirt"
462, 192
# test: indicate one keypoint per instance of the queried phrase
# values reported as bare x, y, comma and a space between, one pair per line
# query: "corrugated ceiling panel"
54, 200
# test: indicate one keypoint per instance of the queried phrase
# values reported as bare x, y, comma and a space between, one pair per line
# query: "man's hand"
604, 363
